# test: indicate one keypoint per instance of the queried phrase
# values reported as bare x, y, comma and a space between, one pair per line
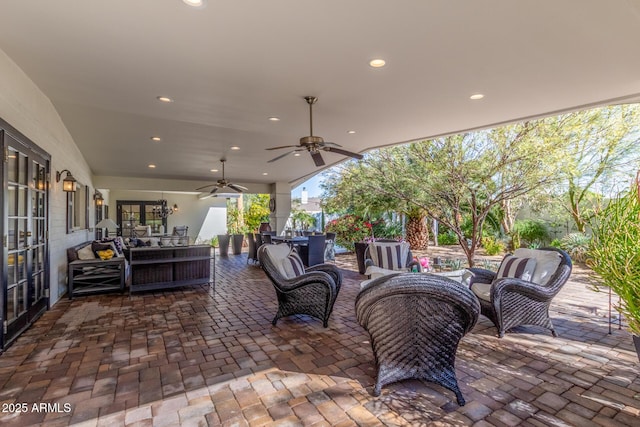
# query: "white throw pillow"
278, 253
86, 253
547, 263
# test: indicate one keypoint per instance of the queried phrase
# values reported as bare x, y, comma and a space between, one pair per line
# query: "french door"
25, 260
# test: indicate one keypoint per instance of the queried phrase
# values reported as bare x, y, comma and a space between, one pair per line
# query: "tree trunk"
417, 232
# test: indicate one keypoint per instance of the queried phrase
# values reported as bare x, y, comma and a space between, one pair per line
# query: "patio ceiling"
231, 65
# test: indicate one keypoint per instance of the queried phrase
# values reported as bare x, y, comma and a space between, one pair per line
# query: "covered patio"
201, 356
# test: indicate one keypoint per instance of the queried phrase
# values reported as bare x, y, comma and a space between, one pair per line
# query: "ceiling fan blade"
237, 188
281, 156
343, 152
332, 143
206, 186
317, 158
282, 146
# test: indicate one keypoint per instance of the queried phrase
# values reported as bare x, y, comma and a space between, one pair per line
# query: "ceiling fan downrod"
311, 100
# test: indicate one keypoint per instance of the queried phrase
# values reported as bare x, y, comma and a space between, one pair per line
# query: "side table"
96, 276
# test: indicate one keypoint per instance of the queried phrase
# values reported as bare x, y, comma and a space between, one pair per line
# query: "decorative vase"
223, 243
360, 248
264, 226
236, 243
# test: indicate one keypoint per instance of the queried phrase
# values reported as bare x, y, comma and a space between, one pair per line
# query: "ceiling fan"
314, 144
222, 183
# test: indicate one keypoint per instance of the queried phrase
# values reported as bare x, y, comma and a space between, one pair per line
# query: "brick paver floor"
197, 357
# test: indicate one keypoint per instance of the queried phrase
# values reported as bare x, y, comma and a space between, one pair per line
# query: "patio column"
281, 193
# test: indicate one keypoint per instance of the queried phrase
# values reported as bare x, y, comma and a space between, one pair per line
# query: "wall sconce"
68, 183
175, 207
98, 198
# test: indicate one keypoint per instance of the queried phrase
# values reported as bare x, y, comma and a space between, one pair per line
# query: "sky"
312, 185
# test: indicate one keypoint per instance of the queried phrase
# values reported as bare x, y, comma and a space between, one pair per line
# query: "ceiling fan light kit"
314, 144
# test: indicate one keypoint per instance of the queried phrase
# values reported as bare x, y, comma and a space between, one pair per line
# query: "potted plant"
235, 226
237, 239
614, 254
223, 244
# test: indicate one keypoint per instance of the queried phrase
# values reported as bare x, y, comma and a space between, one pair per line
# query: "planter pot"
223, 243
264, 226
360, 248
236, 243
636, 342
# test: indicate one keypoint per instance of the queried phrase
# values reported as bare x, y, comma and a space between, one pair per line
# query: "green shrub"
614, 253
576, 245
349, 229
493, 246
387, 230
529, 231
447, 239
556, 243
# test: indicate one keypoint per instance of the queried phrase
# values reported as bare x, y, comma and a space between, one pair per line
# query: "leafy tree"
467, 174
256, 210
348, 189
601, 145
300, 217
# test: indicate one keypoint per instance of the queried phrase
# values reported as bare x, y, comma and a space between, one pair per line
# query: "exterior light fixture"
98, 198
69, 183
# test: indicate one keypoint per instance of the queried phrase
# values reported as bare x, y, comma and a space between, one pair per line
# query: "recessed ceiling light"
214, 170
235, 147
197, 4
152, 166
476, 96
274, 119
155, 138
351, 132
377, 63
164, 99
265, 173
296, 154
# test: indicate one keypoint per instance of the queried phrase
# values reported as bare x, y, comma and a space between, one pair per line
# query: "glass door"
25, 291
131, 213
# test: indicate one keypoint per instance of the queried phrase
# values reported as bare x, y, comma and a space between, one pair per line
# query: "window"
78, 209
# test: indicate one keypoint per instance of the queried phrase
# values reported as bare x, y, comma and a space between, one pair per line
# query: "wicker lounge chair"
311, 291
511, 301
416, 322
385, 256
